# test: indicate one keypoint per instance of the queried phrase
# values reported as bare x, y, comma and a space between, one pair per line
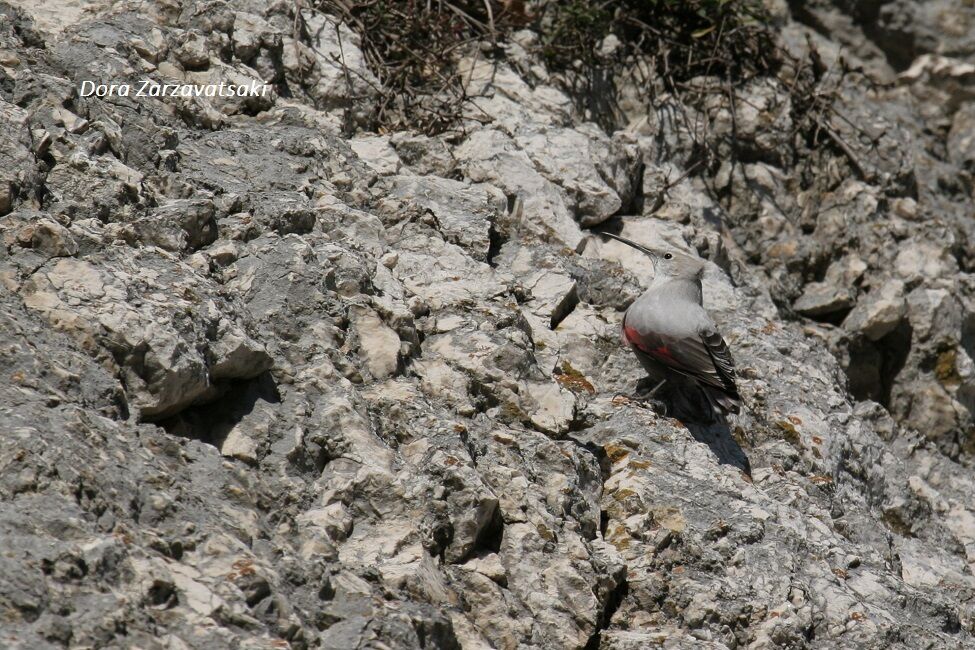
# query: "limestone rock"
376, 152
543, 208
596, 172
876, 315
961, 138
276, 375
378, 344
822, 299
465, 213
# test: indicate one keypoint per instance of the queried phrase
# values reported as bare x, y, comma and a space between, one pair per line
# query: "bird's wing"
720, 356
704, 356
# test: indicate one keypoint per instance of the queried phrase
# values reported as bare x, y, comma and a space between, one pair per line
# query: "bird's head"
667, 263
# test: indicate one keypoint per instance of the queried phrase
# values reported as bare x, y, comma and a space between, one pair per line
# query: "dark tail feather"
723, 402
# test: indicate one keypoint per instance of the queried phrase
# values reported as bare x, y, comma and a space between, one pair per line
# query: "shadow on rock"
692, 409
718, 437
211, 422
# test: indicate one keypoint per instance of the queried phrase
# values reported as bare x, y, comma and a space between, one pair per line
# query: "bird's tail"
722, 402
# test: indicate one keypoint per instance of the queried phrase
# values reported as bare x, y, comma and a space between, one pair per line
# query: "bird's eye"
668, 256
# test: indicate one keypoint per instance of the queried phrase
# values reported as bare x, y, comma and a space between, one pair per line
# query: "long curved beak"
633, 244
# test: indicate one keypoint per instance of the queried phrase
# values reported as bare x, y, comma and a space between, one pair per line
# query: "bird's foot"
619, 399
648, 387
643, 400
657, 406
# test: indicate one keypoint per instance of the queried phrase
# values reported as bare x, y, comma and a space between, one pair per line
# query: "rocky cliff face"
269, 385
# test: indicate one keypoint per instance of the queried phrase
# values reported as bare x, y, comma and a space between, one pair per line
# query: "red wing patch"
631, 335
633, 338
661, 353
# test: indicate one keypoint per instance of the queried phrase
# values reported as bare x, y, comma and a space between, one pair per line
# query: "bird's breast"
664, 311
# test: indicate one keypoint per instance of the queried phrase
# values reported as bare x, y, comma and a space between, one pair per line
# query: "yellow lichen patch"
739, 435
242, 568
573, 380
620, 538
783, 249
639, 464
791, 433
616, 453
623, 493
945, 369
670, 518
545, 533
505, 439
820, 480
512, 412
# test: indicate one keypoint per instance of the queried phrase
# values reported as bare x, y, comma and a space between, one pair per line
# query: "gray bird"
673, 336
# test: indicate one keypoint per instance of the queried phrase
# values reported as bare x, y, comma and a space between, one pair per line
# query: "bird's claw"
643, 400
656, 405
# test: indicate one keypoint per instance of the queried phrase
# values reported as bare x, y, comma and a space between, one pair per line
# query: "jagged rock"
250, 34
191, 51
439, 381
553, 408
465, 213
542, 273
931, 311
15, 161
100, 188
905, 29
183, 224
424, 155
377, 153
924, 259
598, 173
43, 236
878, 314
378, 344
542, 208
331, 68
760, 119
441, 275
822, 299
961, 138
145, 337
498, 91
